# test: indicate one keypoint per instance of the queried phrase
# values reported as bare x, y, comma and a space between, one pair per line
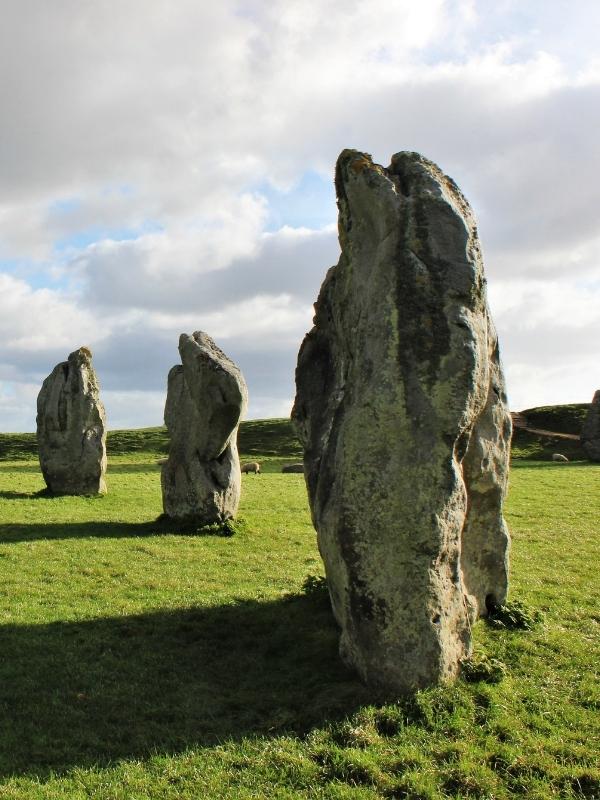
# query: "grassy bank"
276, 438
137, 662
567, 418
265, 437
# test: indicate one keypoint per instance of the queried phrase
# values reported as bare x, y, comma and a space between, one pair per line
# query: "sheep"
251, 466
559, 457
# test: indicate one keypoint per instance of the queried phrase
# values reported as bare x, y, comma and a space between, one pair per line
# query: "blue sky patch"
310, 203
99, 233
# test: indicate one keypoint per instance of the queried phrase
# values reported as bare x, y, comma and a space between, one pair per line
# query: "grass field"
138, 662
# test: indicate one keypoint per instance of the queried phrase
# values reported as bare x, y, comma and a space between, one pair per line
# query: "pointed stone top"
83, 355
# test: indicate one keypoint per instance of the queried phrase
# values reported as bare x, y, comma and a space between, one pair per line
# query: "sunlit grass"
142, 663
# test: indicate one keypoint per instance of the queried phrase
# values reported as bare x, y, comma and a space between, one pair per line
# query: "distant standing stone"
590, 433
401, 410
71, 428
206, 399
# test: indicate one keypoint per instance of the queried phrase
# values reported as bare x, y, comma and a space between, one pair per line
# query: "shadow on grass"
9, 495
11, 533
84, 693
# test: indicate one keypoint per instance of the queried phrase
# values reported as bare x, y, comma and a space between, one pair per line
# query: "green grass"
269, 437
18, 445
141, 662
152, 440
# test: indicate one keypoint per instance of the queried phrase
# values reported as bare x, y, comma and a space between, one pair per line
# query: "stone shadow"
92, 692
10, 495
11, 533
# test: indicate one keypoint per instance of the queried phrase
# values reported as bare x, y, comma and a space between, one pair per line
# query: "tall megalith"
206, 399
401, 410
71, 428
590, 433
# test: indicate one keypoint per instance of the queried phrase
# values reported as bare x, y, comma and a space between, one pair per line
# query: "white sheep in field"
559, 457
251, 466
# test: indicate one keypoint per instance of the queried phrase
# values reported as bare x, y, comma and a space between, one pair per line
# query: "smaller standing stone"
71, 428
206, 399
590, 433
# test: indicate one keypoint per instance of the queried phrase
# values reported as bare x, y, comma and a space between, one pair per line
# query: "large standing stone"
206, 399
71, 428
401, 410
590, 433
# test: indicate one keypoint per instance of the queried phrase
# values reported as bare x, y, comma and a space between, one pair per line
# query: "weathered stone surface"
287, 468
590, 433
71, 428
402, 414
206, 399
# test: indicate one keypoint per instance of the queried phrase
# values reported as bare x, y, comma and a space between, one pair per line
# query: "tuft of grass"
515, 615
484, 669
315, 585
228, 527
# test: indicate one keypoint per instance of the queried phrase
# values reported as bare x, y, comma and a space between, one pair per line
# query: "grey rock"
206, 399
292, 468
401, 410
71, 428
590, 433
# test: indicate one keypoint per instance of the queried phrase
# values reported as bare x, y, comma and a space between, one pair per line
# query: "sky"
167, 166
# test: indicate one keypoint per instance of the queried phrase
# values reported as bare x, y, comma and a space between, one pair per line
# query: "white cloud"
549, 333
42, 319
136, 134
572, 381
206, 271
149, 408
17, 405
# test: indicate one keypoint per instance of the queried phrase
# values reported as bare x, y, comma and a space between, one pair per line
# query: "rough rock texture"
402, 414
590, 433
71, 428
206, 399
